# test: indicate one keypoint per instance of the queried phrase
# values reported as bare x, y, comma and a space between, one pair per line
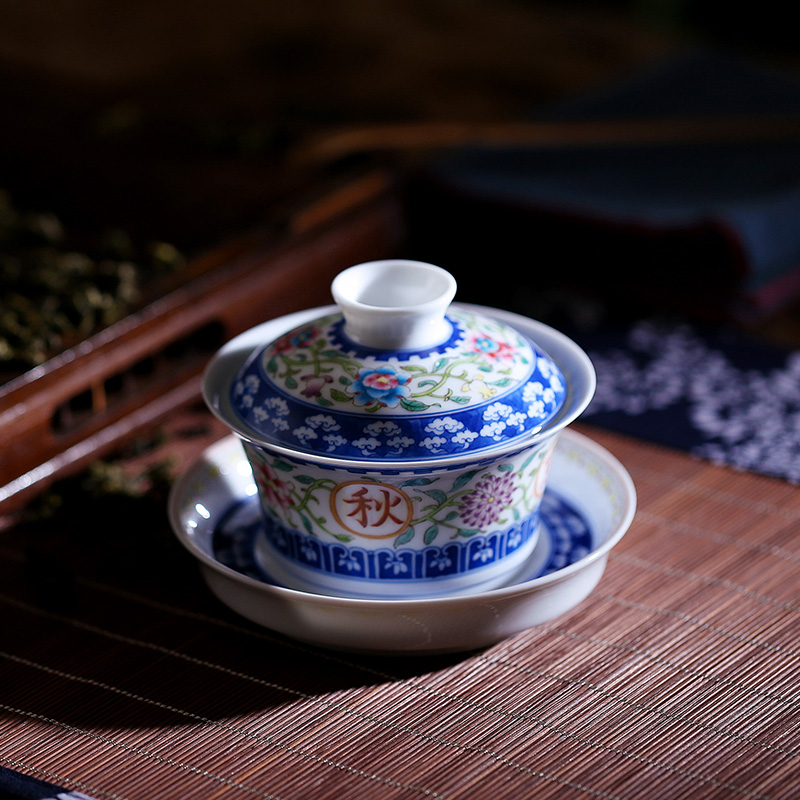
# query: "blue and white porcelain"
588, 506
400, 443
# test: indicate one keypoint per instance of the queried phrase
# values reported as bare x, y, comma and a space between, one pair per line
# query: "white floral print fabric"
722, 397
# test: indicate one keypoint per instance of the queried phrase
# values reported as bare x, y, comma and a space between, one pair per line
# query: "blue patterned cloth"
17, 786
714, 392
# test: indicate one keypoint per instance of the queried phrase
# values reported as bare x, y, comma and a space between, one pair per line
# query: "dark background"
174, 119
108, 106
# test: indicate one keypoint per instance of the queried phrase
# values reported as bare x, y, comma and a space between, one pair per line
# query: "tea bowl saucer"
589, 505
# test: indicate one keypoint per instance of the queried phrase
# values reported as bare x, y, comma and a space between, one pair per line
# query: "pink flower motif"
314, 384
487, 346
486, 502
382, 384
275, 491
301, 338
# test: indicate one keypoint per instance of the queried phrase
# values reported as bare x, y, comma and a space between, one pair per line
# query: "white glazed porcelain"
400, 448
396, 304
589, 505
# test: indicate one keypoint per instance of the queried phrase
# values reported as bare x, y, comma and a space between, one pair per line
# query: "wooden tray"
57, 417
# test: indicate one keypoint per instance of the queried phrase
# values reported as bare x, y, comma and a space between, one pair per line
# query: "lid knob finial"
395, 304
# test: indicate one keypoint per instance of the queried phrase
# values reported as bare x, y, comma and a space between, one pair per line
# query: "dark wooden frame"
56, 418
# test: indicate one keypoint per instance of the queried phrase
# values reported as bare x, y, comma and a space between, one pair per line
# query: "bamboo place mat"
122, 677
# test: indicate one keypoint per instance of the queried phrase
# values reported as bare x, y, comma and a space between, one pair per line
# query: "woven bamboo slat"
676, 678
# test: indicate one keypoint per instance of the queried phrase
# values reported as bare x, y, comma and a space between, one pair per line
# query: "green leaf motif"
506, 468
404, 538
417, 482
464, 479
431, 534
282, 466
438, 495
468, 532
304, 479
291, 383
459, 399
307, 524
340, 397
323, 401
343, 537
413, 405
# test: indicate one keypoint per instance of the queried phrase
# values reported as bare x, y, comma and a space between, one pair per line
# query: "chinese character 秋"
374, 510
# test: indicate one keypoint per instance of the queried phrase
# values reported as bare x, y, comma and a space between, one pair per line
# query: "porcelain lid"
397, 374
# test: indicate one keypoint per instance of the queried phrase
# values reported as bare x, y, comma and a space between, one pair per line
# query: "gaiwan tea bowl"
400, 442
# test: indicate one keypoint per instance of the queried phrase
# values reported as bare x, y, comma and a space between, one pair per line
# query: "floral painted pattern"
565, 527
488, 385
302, 338
482, 364
426, 508
485, 504
275, 491
383, 385
493, 348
